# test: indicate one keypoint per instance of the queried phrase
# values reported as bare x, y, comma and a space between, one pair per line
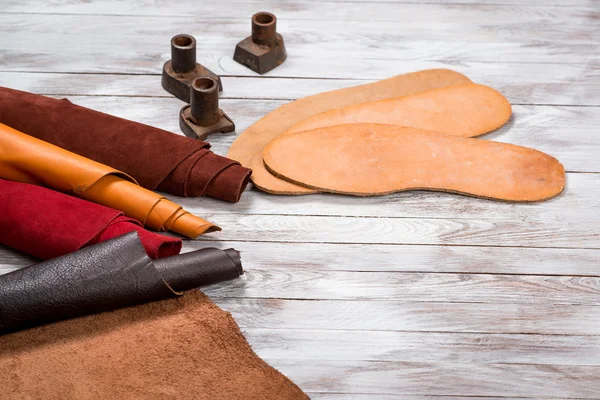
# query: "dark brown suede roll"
157, 159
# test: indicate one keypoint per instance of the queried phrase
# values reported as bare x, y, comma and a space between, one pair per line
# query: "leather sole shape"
377, 159
466, 110
248, 147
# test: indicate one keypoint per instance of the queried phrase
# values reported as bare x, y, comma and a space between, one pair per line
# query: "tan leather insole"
26, 159
248, 147
465, 110
375, 159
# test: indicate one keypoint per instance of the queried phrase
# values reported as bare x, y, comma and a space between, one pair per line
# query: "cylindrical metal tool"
204, 101
183, 53
264, 28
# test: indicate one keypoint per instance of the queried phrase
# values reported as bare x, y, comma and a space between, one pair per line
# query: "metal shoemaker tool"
179, 72
203, 116
264, 50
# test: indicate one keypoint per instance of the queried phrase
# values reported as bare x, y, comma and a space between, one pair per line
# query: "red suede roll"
49, 224
157, 159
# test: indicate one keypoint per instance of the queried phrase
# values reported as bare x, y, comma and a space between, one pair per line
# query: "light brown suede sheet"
466, 110
376, 159
248, 147
183, 348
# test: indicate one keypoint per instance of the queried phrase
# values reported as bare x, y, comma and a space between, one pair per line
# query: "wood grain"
457, 379
410, 296
431, 287
362, 396
183, 7
548, 129
303, 9
443, 231
485, 34
546, 84
431, 347
326, 257
393, 315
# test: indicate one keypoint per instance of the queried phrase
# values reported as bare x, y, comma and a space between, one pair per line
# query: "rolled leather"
109, 275
157, 159
26, 159
48, 224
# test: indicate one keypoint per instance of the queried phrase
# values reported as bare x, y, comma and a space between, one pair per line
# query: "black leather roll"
200, 267
113, 274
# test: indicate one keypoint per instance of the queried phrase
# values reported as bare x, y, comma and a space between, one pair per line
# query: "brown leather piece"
183, 348
248, 147
26, 159
157, 159
465, 110
376, 159
113, 274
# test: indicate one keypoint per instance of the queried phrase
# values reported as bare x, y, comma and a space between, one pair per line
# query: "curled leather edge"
113, 274
26, 159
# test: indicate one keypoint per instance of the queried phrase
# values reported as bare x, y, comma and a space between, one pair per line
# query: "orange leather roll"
376, 159
248, 147
466, 110
24, 158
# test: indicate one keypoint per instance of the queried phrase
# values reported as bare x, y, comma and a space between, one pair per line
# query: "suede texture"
248, 147
157, 159
48, 224
183, 348
26, 159
378, 159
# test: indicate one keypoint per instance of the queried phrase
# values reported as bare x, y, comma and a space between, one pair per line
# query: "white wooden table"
409, 296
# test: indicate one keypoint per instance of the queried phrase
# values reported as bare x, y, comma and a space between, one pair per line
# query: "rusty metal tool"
264, 50
179, 72
203, 116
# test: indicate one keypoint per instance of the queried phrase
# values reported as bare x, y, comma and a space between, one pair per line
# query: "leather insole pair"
354, 160
248, 147
113, 274
157, 159
48, 224
182, 348
26, 159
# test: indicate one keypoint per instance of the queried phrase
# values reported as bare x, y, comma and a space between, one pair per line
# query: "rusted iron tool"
264, 50
203, 116
179, 72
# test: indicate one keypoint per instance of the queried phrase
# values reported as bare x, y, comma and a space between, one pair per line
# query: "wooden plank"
407, 258
446, 13
430, 287
424, 316
577, 203
372, 396
443, 231
429, 347
280, 282
421, 258
251, 6
557, 84
456, 379
566, 231
548, 129
484, 34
